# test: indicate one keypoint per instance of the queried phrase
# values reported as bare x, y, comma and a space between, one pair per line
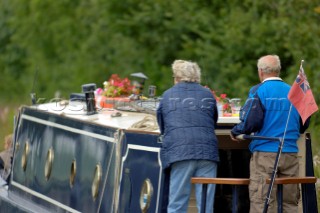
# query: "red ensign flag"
300, 95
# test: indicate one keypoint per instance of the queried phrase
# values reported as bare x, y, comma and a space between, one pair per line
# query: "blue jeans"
180, 184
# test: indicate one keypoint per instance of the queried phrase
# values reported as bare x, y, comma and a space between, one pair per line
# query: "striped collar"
272, 79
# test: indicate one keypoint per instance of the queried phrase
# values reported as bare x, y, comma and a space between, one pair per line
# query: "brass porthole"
49, 163
25, 154
96, 182
73, 171
146, 195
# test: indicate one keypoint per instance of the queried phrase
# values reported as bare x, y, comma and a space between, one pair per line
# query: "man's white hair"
269, 64
186, 71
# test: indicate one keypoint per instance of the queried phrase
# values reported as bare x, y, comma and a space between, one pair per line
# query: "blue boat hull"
125, 162
70, 164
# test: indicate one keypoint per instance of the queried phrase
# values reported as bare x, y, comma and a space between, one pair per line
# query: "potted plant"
115, 90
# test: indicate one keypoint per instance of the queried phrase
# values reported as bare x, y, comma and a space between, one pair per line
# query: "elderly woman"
187, 115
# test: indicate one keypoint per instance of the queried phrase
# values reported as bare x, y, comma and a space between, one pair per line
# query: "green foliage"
64, 44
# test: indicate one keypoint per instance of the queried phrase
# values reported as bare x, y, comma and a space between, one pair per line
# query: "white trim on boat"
159, 183
144, 148
67, 128
44, 197
148, 149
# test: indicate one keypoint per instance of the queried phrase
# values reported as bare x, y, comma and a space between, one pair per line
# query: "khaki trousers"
261, 168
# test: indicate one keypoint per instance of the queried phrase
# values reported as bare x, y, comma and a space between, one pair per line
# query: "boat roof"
111, 117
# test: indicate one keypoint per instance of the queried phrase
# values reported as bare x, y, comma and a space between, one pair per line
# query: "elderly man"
268, 112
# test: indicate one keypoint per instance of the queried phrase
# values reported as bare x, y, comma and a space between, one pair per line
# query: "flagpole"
275, 168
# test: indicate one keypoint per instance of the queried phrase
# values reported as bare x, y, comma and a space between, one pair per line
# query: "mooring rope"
148, 123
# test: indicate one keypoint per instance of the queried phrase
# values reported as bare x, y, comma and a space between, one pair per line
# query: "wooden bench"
292, 180
226, 181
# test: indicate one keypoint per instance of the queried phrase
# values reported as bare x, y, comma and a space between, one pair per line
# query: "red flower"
223, 96
225, 106
222, 99
117, 86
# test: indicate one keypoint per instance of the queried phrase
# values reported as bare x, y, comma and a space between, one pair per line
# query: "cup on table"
219, 105
235, 106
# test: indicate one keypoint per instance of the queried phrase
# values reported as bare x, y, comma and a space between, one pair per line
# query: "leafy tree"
70, 43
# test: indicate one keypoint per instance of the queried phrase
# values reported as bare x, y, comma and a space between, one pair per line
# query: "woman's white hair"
269, 64
186, 71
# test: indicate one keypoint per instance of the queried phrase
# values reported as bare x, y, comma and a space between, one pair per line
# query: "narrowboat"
74, 157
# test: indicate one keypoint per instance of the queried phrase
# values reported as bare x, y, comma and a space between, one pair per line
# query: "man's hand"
233, 137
